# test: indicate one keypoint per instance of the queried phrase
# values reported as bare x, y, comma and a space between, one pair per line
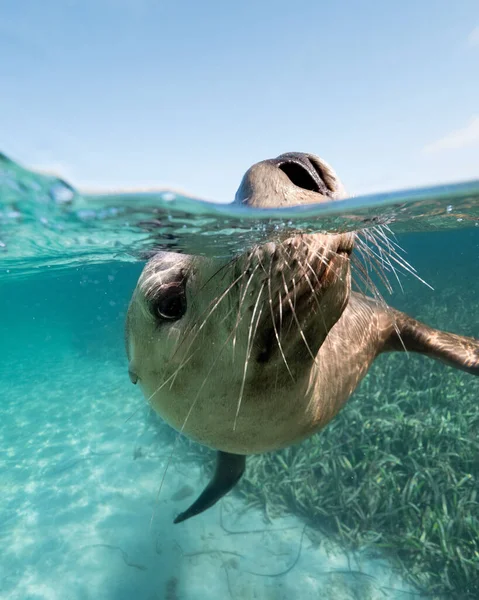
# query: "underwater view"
381, 503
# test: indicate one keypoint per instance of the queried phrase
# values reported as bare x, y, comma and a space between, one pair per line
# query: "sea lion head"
208, 340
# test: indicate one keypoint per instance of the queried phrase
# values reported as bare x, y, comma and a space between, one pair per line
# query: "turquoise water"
82, 458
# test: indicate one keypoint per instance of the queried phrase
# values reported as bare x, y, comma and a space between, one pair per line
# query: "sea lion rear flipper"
229, 469
457, 351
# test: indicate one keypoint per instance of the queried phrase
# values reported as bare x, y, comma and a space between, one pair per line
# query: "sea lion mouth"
346, 246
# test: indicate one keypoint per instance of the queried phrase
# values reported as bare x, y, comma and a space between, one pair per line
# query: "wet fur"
274, 342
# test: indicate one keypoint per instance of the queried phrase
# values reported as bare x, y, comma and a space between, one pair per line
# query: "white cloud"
461, 138
473, 37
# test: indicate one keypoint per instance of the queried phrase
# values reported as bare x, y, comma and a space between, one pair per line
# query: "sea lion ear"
407, 334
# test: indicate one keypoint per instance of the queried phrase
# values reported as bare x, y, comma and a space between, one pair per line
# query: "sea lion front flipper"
229, 469
408, 334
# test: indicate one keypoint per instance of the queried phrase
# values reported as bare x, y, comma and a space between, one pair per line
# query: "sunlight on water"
393, 512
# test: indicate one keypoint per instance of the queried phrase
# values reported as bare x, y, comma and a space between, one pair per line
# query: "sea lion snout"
290, 179
306, 171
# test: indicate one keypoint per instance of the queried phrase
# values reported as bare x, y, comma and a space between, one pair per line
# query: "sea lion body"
292, 410
262, 352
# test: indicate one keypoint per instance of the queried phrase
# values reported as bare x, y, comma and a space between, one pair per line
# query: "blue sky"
143, 93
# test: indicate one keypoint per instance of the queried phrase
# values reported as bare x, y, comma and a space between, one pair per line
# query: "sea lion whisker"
384, 260
319, 253
280, 310
375, 260
243, 292
273, 320
325, 260
308, 280
391, 247
180, 343
226, 317
213, 306
288, 296
162, 385
222, 268
389, 238
133, 413
376, 237
248, 352
407, 267
182, 364
361, 271
285, 248
295, 317
363, 274
377, 265
305, 275
150, 283
362, 247
170, 456
315, 296
215, 303
374, 266
379, 257
216, 300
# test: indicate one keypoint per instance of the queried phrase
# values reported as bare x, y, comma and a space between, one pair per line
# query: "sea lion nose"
132, 375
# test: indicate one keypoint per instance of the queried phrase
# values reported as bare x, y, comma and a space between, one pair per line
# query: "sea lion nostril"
300, 176
308, 172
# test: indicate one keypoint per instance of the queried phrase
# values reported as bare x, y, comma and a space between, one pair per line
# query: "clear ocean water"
395, 513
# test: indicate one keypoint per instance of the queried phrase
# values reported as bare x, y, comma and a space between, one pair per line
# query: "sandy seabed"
80, 515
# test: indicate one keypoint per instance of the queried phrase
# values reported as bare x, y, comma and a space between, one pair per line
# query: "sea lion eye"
171, 304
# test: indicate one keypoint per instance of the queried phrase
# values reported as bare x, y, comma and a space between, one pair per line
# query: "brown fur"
273, 344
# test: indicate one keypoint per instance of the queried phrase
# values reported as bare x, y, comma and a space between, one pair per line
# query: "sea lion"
261, 352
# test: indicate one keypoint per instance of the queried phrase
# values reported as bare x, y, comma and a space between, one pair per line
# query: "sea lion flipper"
229, 469
457, 351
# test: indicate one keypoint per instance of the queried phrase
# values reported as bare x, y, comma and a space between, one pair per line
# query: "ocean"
381, 504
